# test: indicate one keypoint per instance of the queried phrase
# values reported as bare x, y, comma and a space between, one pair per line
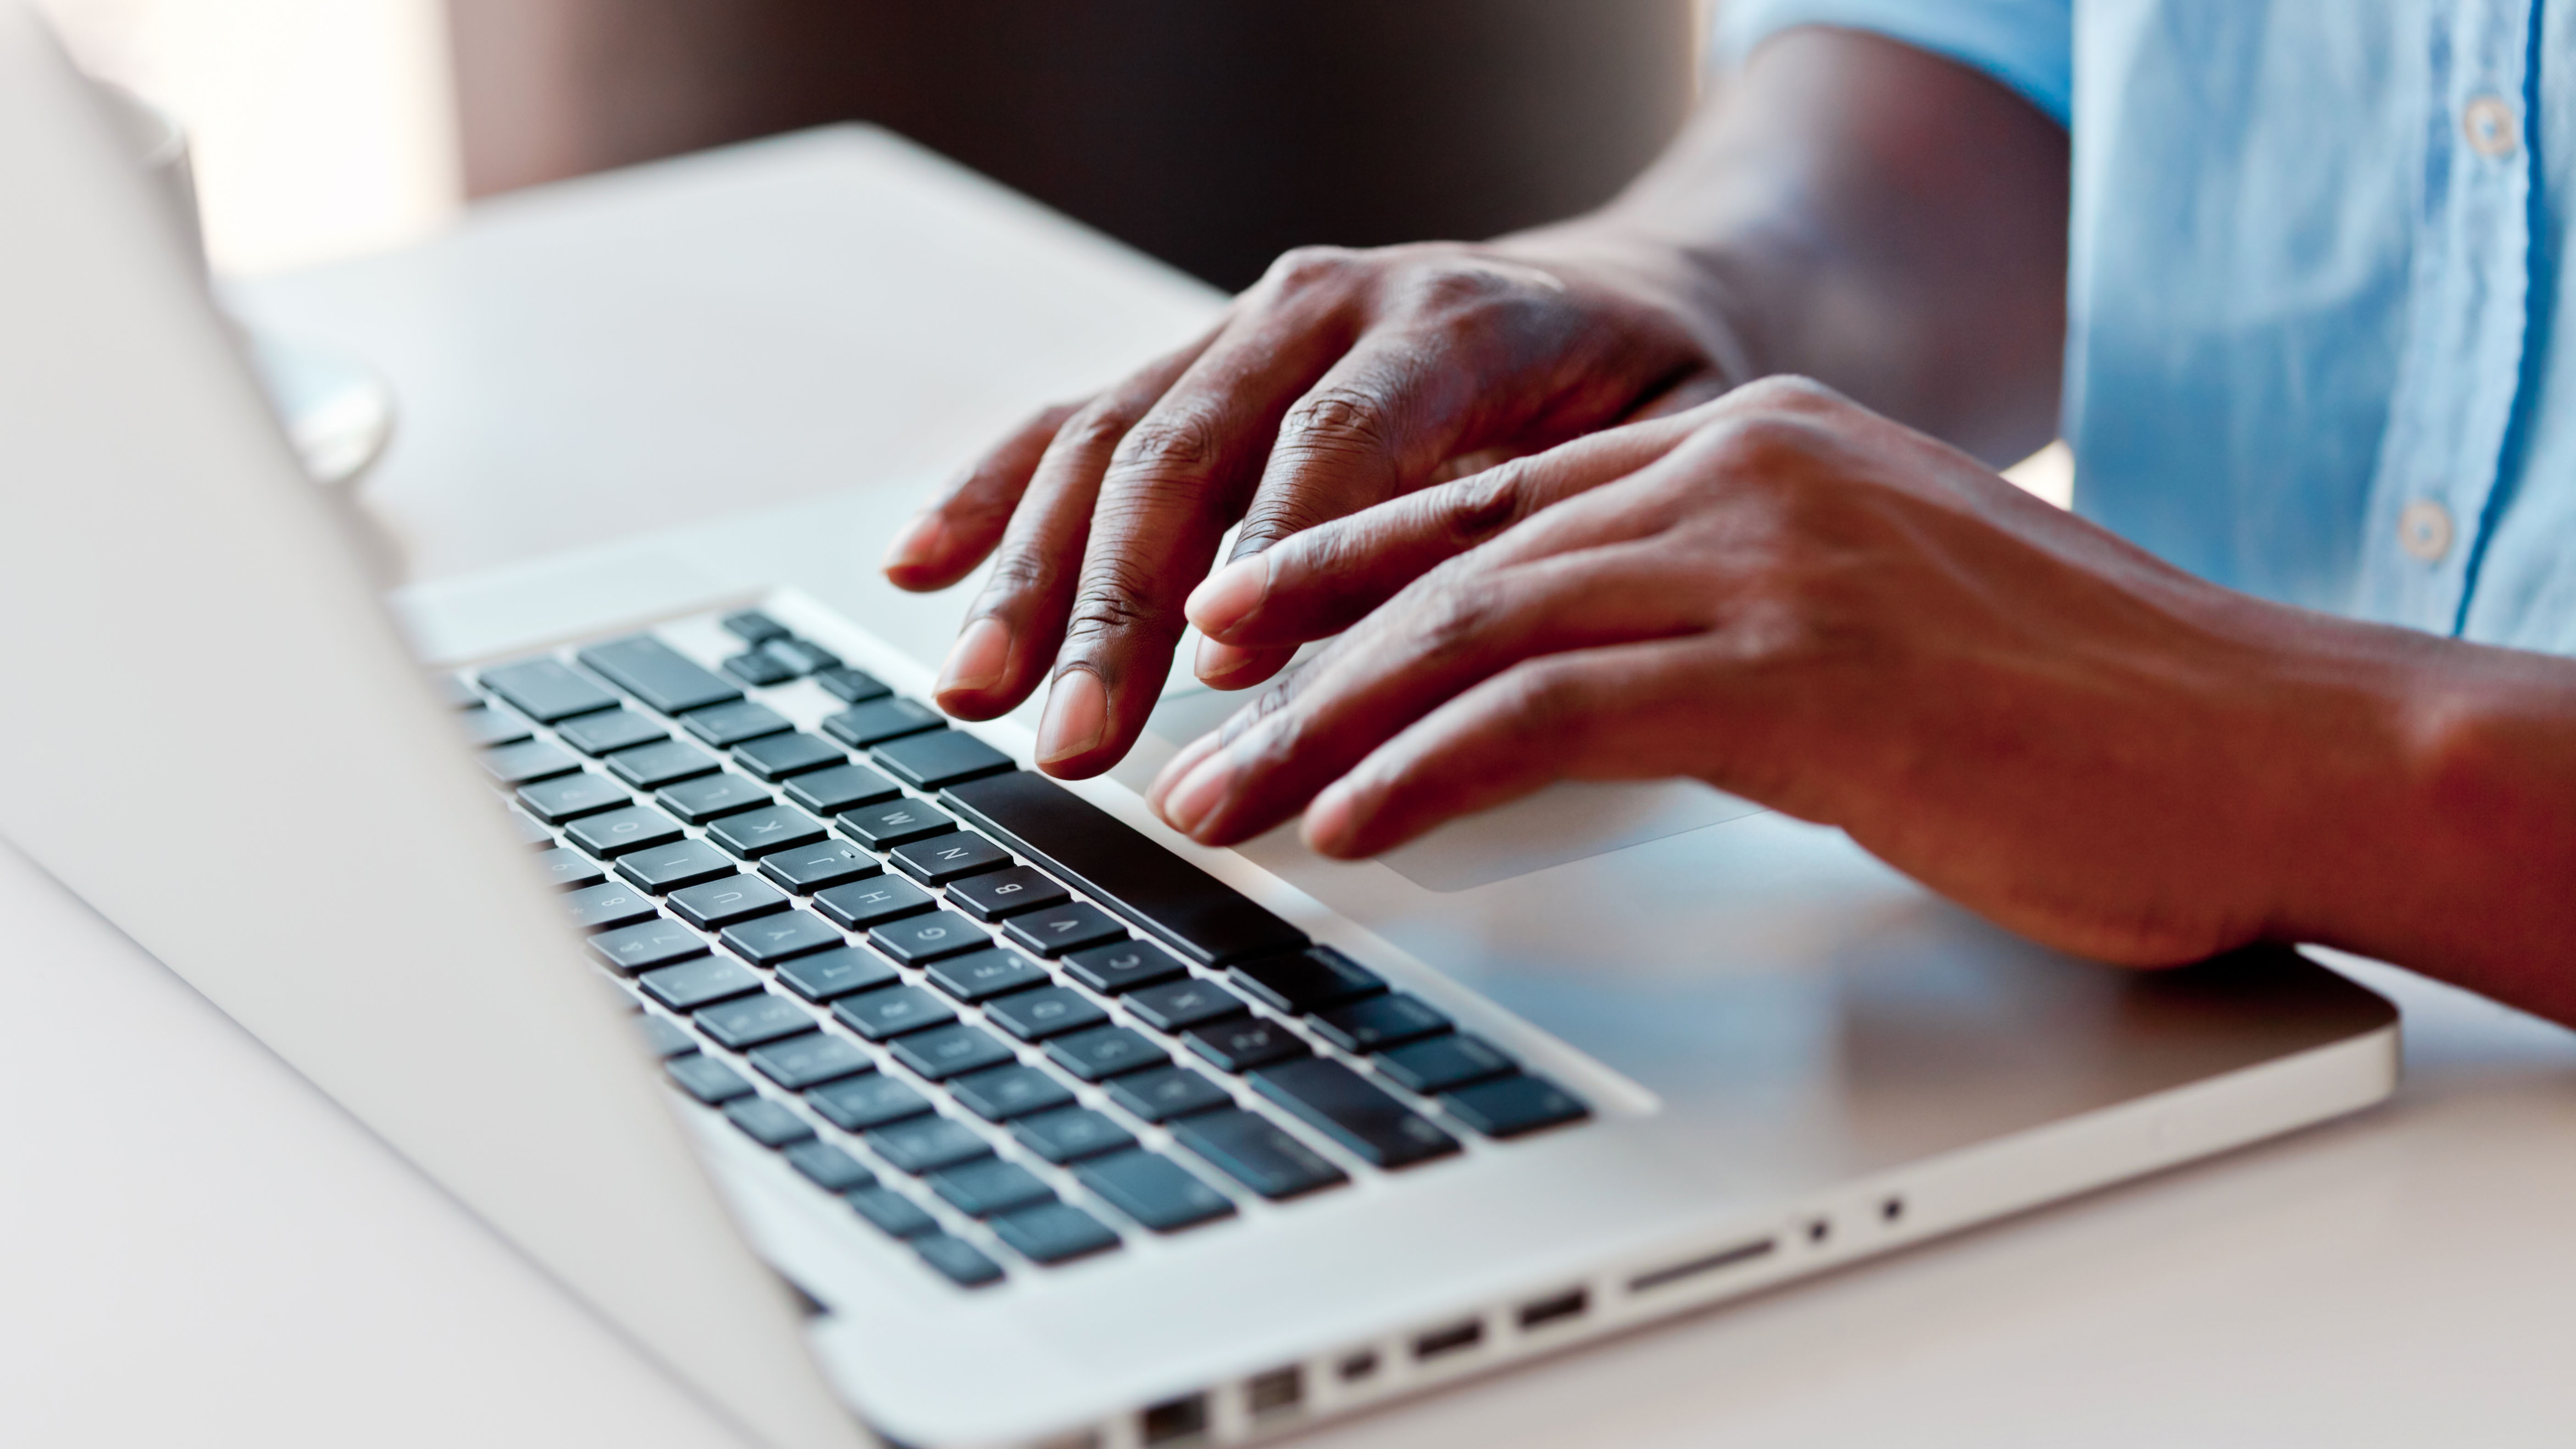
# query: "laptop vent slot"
1554, 1310
1174, 1420
1449, 1340
1723, 1258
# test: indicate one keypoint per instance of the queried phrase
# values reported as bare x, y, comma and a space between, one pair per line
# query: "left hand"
1803, 603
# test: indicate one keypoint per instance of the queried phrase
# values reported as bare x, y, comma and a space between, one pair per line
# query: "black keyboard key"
703, 799
1511, 1106
1069, 927
486, 726
657, 674
609, 731
669, 867
1116, 970
768, 1123
752, 834
990, 1185
752, 1021
664, 1038
1104, 1052
727, 725
667, 762
880, 720
896, 822
571, 797
1311, 980
641, 948
705, 1078
756, 668
926, 1144
1118, 866
806, 869
1046, 1012
568, 869
779, 756
799, 1062
829, 1168
1168, 1094
1375, 1023
865, 1103
622, 832
827, 975
526, 761
1244, 1043
836, 788
1052, 1233
692, 984
884, 1015
983, 975
804, 656
529, 832
950, 1051
545, 691
600, 907
961, 1262
1153, 1190
851, 686
937, 759
715, 903
1180, 1005
1256, 1152
918, 940
892, 1213
1444, 1063
772, 939
1003, 1093
943, 858
1070, 1134
753, 627
865, 903
998, 893
1343, 1105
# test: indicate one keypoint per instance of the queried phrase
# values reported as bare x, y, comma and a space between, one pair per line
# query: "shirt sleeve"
2028, 45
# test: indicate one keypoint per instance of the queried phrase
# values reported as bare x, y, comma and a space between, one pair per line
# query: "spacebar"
1116, 865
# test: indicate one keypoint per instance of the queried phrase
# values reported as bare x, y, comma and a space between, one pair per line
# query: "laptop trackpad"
1564, 822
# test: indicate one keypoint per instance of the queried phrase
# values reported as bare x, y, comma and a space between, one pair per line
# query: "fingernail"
912, 546
1191, 800
1177, 768
1215, 660
975, 661
1077, 715
1224, 599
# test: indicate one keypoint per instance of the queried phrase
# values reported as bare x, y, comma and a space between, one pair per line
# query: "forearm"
1888, 222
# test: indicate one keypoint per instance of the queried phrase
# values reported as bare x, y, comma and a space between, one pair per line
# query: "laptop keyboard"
997, 1022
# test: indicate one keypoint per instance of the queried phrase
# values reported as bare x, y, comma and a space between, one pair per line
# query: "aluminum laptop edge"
1793, 1057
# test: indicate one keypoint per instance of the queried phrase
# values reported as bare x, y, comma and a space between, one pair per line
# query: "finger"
1601, 714
1010, 632
1323, 580
1432, 645
945, 540
1177, 480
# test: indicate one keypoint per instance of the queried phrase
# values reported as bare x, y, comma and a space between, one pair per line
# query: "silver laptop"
873, 1083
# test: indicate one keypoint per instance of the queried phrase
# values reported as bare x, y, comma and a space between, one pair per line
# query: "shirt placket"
2466, 316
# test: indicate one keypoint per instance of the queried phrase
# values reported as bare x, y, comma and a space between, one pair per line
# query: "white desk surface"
202, 1250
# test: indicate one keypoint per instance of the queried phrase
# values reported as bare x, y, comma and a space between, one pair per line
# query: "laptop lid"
213, 735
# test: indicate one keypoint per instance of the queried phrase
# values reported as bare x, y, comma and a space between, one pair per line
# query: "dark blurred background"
1212, 133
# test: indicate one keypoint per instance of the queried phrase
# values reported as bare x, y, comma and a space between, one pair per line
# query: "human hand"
1800, 602
1341, 380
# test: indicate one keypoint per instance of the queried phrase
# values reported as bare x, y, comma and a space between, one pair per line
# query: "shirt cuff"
2028, 45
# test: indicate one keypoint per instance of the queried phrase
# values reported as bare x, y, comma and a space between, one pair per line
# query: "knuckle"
1788, 392
1450, 619
1303, 269
1477, 507
1548, 699
1168, 440
1114, 602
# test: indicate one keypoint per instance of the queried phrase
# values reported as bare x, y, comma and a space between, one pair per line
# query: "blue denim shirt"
2316, 349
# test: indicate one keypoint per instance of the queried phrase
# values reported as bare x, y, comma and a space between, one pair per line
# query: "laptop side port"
1173, 1420
1453, 1339
1891, 1210
1358, 1366
1277, 1392
1554, 1310
1722, 1258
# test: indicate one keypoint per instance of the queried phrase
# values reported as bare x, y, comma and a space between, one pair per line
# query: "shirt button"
2424, 530
2490, 126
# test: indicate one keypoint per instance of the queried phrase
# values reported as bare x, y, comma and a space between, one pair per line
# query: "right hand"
1340, 380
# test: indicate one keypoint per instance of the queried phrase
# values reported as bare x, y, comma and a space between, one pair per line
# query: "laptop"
878, 1087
